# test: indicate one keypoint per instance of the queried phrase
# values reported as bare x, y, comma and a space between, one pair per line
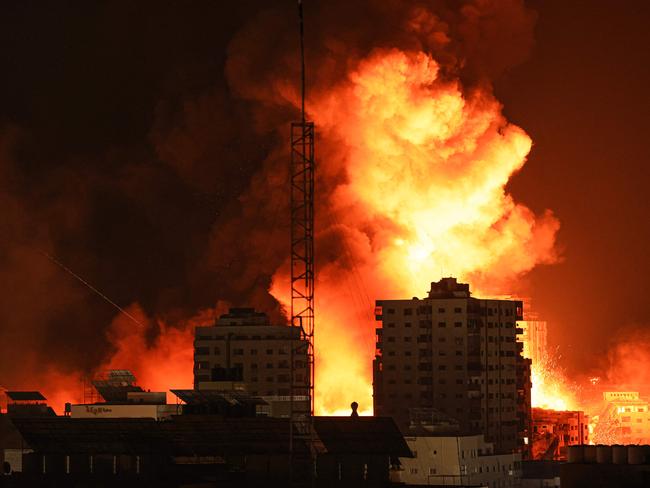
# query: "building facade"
244, 348
555, 430
624, 420
464, 460
534, 335
456, 354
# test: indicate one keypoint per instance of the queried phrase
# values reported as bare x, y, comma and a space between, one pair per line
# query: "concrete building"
554, 431
625, 418
457, 460
534, 335
242, 350
454, 353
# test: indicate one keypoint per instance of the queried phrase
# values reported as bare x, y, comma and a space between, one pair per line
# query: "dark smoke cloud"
143, 145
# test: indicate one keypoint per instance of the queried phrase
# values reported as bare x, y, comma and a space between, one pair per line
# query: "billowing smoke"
414, 157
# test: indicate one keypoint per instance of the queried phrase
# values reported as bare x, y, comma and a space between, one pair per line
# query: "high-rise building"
242, 348
534, 335
453, 353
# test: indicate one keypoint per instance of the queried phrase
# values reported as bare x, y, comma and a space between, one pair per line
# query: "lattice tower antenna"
302, 281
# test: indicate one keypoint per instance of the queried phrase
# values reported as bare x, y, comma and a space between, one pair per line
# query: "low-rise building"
626, 418
457, 460
555, 430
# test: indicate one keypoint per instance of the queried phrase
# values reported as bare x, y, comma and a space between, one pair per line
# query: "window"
458, 310
253, 352
407, 324
199, 351
238, 352
458, 324
414, 470
441, 310
407, 339
269, 365
408, 311
390, 311
269, 351
432, 470
390, 325
442, 324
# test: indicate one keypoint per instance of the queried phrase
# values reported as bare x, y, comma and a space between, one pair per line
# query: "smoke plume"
414, 156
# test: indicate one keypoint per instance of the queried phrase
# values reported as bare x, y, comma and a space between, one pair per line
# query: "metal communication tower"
302, 276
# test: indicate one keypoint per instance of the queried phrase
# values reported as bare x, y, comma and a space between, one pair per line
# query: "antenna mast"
302, 275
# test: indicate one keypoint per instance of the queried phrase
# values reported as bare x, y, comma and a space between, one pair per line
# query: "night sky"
123, 152
582, 96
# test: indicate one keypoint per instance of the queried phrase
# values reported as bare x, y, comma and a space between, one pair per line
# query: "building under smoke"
456, 354
243, 351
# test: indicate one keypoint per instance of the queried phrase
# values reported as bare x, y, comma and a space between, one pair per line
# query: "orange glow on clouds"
427, 164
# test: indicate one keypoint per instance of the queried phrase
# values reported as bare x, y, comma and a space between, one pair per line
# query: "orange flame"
426, 165
551, 390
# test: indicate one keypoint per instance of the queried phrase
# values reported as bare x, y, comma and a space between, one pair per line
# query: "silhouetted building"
205, 450
540, 474
600, 466
524, 404
27, 404
244, 351
456, 354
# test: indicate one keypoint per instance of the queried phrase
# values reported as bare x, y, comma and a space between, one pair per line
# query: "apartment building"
242, 348
456, 354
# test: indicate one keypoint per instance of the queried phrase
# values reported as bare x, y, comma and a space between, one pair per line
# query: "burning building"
453, 353
554, 431
534, 335
625, 419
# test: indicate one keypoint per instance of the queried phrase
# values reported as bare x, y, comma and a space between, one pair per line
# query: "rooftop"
25, 396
